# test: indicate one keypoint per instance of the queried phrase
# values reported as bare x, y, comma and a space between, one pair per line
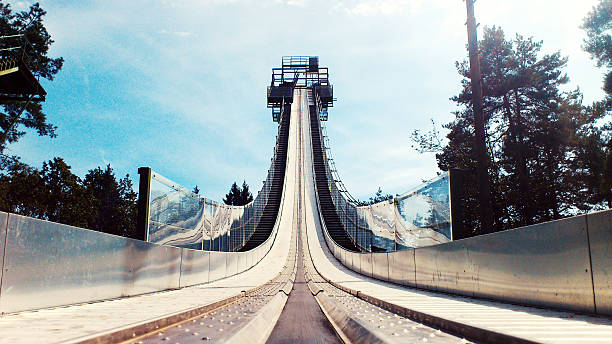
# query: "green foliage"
597, 25
21, 189
65, 198
596, 142
245, 195
428, 142
546, 156
608, 83
377, 198
592, 162
238, 195
30, 23
232, 195
598, 43
114, 202
99, 202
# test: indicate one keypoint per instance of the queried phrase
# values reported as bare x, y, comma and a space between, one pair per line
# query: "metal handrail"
12, 36
336, 176
22, 45
332, 180
252, 212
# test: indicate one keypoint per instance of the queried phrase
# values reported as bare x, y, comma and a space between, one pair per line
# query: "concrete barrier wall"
46, 264
600, 238
564, 264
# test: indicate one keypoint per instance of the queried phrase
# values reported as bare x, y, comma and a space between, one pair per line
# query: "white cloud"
298, 3
193, 4
176, 33
376, 7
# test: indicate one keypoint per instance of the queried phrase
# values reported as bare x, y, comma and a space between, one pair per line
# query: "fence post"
395, 221
456, 184
144, 198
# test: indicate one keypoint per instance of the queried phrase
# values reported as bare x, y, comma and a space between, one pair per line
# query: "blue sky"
180, 85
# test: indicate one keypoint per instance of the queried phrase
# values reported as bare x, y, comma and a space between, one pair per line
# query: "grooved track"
302, 320
219, 325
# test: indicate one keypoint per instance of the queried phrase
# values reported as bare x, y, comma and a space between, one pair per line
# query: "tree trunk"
482, 174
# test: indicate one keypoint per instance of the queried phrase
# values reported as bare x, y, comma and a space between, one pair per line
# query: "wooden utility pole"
479, 138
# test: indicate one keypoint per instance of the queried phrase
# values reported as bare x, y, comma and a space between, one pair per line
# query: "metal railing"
178, 217
389, 225
15, 49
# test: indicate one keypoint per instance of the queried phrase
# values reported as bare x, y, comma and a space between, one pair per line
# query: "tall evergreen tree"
232, 196
598, 43
22, 189
99, 202
245, 195
65, 199
535, 134
238, 195
598, 139
114, 202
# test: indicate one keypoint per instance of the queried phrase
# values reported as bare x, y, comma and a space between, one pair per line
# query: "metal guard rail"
366, 233
46, 264
220, 227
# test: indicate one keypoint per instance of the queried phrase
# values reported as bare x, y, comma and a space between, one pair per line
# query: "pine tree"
598, 44
65, 199
597, 25
238, 195
21, 189
245, 195
232, 197
114, 202
535, 135
29, 23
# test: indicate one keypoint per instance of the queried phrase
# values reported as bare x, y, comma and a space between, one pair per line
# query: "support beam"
144, 198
